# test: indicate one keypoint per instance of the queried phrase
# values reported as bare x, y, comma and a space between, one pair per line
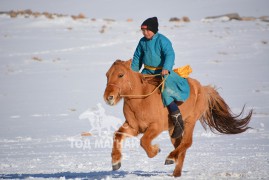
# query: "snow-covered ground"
52, 78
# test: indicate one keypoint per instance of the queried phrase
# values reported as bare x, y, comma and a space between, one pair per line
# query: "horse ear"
117, 61
128, 63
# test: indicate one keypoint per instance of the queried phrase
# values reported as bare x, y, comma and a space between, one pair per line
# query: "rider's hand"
164, 72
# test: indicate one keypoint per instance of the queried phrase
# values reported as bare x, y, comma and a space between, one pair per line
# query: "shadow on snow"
89, 175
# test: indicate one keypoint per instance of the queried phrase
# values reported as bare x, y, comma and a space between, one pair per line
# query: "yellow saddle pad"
183, 71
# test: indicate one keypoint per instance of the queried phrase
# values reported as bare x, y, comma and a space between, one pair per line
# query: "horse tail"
218, 116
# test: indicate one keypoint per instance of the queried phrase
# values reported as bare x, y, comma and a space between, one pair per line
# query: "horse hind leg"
178, 155
179, 165
152, 132
176, 142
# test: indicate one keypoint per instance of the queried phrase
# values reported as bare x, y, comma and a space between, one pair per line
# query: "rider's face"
147, 33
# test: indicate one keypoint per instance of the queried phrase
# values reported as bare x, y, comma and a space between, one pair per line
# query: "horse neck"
138, 85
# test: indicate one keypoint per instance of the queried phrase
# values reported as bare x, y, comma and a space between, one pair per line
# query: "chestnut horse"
145, 113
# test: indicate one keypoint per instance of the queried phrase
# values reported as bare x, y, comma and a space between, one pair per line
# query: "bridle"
112, 84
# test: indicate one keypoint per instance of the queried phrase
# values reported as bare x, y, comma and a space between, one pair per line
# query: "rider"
156, 53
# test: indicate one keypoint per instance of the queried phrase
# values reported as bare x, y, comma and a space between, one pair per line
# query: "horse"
145, 113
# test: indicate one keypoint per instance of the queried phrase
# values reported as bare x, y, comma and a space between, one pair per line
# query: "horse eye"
121, 75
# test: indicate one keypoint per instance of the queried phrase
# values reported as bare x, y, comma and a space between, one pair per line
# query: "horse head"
118, 81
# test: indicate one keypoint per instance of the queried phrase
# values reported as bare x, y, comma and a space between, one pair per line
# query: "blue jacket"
158, 52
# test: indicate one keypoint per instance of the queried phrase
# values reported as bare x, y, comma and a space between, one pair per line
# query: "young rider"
156, 53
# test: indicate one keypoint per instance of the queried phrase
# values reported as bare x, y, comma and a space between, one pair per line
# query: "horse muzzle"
111, 97
112, 94
110, 100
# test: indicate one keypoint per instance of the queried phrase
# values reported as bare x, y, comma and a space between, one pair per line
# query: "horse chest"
140, 120
144, 112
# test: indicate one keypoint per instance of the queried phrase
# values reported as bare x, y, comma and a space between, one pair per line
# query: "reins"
146, 95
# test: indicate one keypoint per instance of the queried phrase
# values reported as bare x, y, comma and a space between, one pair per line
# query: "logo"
100, 123
101, 129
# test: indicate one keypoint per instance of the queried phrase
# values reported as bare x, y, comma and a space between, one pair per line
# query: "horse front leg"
124, 131
152, 132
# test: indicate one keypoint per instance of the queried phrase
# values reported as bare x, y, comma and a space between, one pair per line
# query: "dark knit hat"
151, 24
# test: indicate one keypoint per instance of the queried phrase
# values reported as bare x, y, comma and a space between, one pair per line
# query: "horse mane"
154, 80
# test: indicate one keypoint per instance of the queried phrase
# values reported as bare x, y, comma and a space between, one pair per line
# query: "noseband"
112, 84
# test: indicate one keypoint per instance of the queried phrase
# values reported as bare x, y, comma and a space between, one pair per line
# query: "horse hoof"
117, 166
168, 162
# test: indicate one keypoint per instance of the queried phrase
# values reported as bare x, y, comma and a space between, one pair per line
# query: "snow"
123, 9
52, 76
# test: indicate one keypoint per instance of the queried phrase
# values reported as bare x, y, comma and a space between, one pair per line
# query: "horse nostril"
110, 98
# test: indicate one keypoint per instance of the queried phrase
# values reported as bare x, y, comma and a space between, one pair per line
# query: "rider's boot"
178, 124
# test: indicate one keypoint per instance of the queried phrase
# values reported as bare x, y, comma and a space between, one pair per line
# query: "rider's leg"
176, 118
